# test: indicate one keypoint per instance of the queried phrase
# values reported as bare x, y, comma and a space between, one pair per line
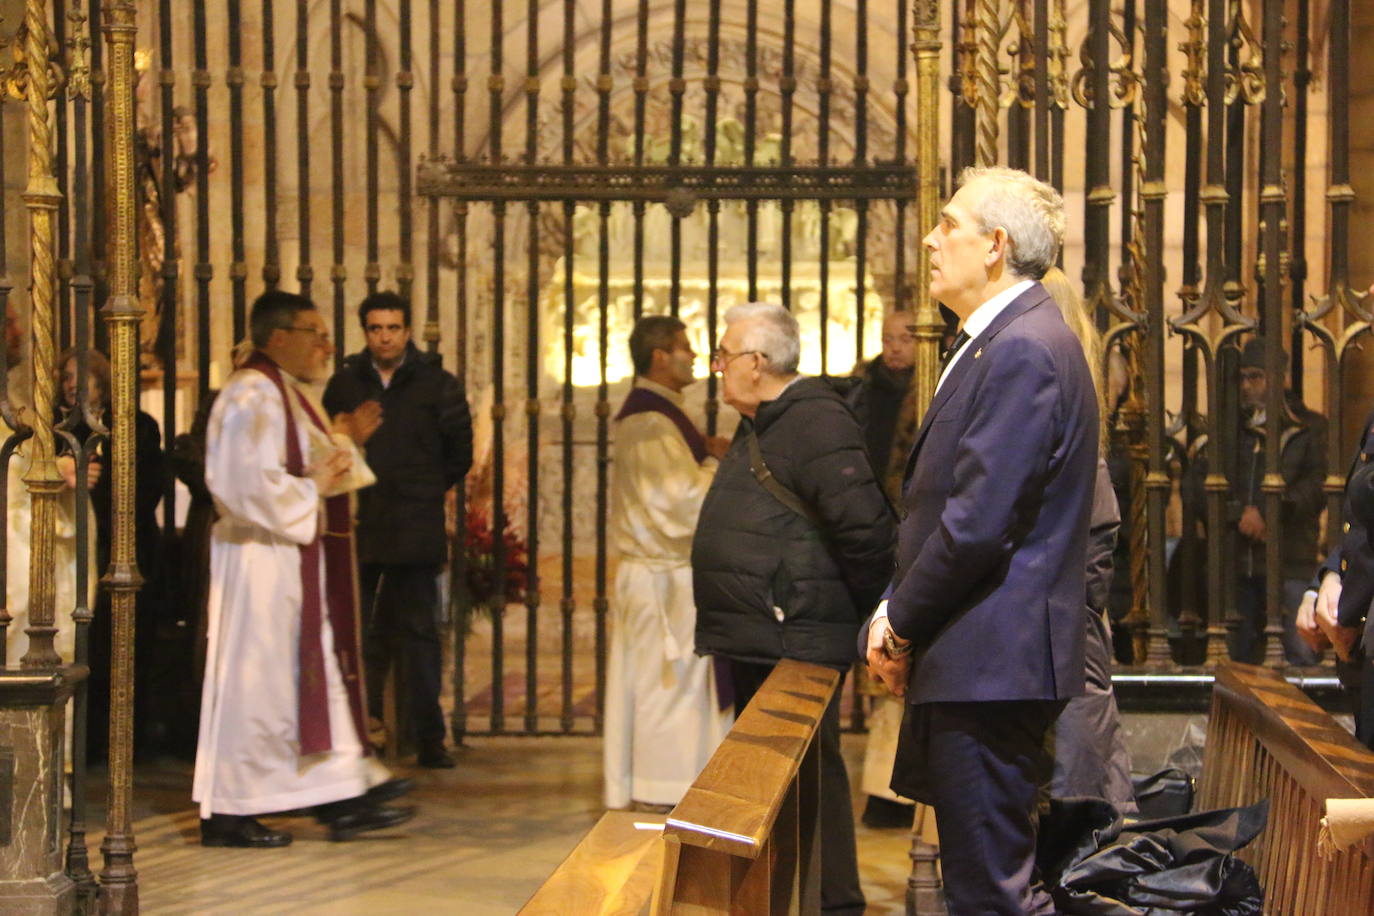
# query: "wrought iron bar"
372, 82
787, 89
1297, 248
433, 249
567, 605
962, 67
713, 206
495, 95
751, 126
168, 298
61, 171
1040, 30
77, 864
641, 90
824, 88
338, 271
532, 379
271, 260
205, 269
238, 267
603, 296
678, 206
405, 81
458, 549
305, 274
860, 160
1153, 193
1274, 210
119, 878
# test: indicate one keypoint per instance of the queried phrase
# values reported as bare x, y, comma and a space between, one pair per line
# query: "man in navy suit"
982, 626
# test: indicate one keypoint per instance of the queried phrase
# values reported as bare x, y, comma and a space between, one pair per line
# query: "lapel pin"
979, 353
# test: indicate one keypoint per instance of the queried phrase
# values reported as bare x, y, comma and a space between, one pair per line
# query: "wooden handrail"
1266, 739
745, 837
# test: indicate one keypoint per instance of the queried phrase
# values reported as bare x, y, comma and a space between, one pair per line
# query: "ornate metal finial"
78, 57
1195, 51
1246, 81
1059, 56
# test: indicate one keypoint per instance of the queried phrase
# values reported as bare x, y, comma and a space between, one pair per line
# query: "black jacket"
752, 554
423, 447
1302, 461
877, 403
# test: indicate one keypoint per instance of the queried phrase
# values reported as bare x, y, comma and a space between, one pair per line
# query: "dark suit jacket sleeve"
1106, 522
1006, 438
455, 427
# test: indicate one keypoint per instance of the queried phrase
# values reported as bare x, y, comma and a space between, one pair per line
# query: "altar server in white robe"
664, 715
282, 709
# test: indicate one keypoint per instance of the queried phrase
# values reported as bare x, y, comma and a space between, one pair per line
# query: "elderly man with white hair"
793, 546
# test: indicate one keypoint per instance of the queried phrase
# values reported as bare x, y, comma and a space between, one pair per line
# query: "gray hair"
1030, 211
775, 334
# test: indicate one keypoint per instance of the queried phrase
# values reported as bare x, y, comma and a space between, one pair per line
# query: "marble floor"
487, 834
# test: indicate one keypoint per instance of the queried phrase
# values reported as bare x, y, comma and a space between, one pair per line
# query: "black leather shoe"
241, 831
436, 758
364, 817
389, 790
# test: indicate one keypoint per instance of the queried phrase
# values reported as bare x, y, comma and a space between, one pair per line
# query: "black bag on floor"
1094, 864
1168, 793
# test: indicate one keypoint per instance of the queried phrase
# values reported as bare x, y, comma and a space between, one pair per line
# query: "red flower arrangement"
479, 559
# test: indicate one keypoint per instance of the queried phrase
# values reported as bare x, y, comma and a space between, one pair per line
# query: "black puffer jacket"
423, 447
751, 554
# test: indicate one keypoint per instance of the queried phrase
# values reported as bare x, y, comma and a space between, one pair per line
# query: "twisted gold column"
986, 111
929, 326
44, 482
119, 879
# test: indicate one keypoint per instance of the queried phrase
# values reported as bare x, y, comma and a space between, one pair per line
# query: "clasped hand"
882, 667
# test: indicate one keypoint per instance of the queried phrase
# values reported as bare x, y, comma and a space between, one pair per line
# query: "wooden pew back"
1266, 739
745, 837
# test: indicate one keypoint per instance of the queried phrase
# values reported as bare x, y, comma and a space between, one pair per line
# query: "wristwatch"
894, 649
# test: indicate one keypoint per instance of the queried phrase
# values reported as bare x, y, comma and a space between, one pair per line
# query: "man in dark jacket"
1302, 461
421, 449
788, 569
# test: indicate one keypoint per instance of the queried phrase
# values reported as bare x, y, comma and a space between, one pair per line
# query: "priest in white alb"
282, 708
665, 712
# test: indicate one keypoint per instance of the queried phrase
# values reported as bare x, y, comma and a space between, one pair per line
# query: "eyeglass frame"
721, 357
321, 337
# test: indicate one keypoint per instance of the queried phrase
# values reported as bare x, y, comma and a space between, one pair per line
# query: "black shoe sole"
395, 817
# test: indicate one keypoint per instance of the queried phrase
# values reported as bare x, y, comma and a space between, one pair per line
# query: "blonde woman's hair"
1081, 323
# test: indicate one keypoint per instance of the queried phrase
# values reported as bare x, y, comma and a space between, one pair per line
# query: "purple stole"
340, 599
642, 400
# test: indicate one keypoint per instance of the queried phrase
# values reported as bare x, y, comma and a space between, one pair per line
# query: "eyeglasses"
321, 337
721, 357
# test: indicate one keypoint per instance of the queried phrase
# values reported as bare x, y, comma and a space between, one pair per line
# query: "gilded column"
119, 879
929, 325
988, 106
43, 479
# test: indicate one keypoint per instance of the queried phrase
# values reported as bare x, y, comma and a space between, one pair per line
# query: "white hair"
774, 334
1030, 211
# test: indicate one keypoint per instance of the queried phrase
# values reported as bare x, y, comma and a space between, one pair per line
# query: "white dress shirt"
983, 316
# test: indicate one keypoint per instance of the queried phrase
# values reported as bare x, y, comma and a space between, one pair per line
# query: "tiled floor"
486, 835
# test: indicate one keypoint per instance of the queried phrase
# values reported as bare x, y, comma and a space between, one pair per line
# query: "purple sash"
642, 400
335, 545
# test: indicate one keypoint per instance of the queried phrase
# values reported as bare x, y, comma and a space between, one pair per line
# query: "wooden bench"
1266, 739
613, 871
744, 839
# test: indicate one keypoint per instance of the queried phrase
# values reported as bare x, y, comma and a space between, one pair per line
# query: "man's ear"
997, 246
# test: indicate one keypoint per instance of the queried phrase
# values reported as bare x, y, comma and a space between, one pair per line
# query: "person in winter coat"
421, 449
793, 546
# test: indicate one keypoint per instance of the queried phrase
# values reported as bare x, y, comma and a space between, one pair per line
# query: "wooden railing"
744, 839
1265, 739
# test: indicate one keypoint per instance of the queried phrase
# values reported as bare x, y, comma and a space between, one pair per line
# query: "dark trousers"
400, 607
1247, 646
840, 890
984, 767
